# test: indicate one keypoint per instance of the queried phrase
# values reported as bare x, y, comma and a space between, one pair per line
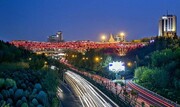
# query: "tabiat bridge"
121, 47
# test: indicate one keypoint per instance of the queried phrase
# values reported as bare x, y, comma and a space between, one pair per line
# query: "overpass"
121, 47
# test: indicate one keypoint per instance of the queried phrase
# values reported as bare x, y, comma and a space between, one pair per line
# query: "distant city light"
53, 67
151, 41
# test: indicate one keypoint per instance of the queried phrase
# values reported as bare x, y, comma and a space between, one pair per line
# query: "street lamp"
122, 35
97, 59
85, 58
45, 64
129, 64
30, 59
73, 56
103, 38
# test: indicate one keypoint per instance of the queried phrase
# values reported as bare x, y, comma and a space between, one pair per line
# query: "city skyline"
82, 20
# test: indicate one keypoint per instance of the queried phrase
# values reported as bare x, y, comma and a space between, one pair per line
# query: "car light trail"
88, 94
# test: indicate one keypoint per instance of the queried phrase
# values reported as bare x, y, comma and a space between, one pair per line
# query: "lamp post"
122, 35
85, 58
103, 38
117, 76
97, 59
135, 63
124, 82
129, 64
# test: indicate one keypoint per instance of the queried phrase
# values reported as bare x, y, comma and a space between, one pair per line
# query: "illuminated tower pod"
56, 38
117, 38
167, 26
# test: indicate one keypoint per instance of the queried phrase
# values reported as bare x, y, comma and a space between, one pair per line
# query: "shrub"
14, 88
12, 66
26, 93
23, 99
42, 97
4, 104
18, 94
11, 92
1, 97
10, 83
5, 93
24, 105
9, 101
50, 81
38, 86
35, 102
32, 96
34, 91
18, 103
23, 85
39, 105
31, 105
55, 102
170, 94
1, 82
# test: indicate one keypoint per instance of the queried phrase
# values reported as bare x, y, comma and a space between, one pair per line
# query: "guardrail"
109, 86
153, 93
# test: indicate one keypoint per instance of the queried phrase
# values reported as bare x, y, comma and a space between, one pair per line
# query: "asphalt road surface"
68, 99
89, 95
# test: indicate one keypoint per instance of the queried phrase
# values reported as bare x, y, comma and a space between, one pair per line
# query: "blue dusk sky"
82, 19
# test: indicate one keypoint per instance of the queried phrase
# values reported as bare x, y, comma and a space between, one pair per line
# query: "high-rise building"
56, 38
59, 36
167, 26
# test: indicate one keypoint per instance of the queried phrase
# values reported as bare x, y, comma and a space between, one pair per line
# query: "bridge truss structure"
121, 47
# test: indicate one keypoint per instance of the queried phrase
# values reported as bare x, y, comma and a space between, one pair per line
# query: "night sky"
82, 19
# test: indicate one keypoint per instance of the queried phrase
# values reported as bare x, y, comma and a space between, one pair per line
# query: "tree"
160, 58
147, 75
134, 96
106, 62
161, 78
36, 62
142, 104
138, 72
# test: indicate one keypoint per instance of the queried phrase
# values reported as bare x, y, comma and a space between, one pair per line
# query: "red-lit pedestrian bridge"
121, 47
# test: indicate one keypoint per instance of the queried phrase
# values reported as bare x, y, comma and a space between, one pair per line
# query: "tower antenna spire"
167, 12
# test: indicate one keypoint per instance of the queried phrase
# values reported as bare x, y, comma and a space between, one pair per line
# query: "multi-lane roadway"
88, 94
67, 97
151, 97
146, 96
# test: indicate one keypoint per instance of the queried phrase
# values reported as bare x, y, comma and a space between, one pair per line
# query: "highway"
151, 97
67, 98
88, 94
144, 95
